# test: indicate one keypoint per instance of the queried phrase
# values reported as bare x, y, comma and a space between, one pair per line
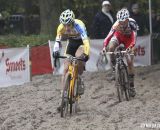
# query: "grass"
22, 41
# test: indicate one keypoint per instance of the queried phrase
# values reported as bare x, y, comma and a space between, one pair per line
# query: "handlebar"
117, 52
71, 58
120, 52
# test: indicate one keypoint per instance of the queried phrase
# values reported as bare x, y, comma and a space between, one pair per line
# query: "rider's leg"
112, 45
66, 64
81, 68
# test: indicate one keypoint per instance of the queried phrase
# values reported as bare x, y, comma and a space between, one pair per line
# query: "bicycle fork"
74, 74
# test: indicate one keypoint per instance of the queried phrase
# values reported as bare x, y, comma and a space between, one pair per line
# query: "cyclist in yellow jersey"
75, 31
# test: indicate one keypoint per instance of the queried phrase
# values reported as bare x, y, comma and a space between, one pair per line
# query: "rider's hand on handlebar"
104, 49
129, 50
55, 54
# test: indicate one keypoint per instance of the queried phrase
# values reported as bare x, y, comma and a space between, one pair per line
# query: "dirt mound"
33, 106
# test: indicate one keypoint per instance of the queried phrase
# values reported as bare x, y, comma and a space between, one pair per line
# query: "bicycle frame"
73, 71
70, 78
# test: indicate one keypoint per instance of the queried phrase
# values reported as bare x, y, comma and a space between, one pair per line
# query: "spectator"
155, 22
139, 18
102, 22
157, 29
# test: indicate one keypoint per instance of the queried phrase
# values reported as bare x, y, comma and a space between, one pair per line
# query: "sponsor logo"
140, 51
14, 66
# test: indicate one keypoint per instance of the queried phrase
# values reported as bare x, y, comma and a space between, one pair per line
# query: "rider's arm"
86, 46
110, 34
133, 39
60, 31
108, 38
134, 28
83, 33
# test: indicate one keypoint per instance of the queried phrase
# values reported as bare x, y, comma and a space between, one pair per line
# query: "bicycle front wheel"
126, 83
65, 96
121, 77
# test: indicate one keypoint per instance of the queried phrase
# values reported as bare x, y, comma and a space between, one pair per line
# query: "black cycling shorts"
73, 45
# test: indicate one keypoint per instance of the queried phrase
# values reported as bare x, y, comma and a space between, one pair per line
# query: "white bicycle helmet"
67, 17
122, 15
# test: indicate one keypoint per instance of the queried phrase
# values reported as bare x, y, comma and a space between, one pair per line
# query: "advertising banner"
14, 66
142, 56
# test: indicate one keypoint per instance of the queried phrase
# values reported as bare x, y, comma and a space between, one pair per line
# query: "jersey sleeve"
135, 28
133, 24
83, 33
60, 31
108, 38
110, 34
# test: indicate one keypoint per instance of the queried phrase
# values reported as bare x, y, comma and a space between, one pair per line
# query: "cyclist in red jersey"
123, 31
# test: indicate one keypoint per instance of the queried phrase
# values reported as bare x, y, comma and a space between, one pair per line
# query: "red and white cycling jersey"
126, 35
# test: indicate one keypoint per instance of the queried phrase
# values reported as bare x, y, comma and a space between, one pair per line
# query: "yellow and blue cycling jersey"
76, 35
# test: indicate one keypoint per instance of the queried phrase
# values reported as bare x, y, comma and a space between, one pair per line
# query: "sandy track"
32, 106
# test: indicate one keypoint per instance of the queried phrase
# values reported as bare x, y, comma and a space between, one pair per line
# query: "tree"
49, 13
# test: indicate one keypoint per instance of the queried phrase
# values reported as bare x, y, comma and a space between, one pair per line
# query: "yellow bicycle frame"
73, 71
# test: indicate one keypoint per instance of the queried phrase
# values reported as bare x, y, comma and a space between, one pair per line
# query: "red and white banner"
143, 51
14, 66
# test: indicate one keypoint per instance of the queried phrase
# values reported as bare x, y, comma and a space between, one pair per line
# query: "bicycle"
121, 74
70, 95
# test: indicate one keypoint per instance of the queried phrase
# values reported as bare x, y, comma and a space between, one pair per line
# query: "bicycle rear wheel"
65, 96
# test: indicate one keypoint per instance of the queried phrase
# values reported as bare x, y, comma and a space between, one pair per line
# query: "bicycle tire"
65, 96
71, 99
74, 96
127, 86
71, 102
122, 83
119, 83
